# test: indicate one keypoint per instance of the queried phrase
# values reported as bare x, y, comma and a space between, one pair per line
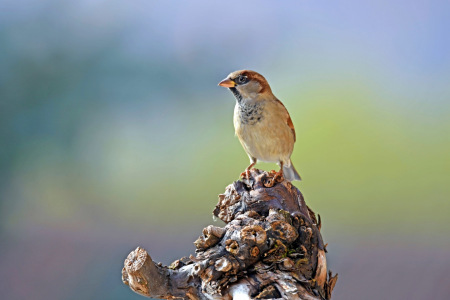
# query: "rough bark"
270, 248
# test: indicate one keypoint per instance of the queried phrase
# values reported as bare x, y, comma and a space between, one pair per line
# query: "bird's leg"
246, 174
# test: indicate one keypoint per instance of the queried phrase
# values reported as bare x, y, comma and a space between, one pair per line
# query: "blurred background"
114, 134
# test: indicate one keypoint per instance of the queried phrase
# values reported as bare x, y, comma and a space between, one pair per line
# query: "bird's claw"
276, 178
246, 174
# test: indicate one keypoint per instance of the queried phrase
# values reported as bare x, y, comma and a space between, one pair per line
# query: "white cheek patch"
253, 87
249, 90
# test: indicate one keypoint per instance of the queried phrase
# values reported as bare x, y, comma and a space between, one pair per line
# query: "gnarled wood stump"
270, 248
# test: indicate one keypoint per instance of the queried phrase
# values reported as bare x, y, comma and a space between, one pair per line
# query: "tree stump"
270, 248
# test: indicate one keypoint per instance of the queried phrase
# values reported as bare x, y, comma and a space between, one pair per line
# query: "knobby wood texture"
270, 248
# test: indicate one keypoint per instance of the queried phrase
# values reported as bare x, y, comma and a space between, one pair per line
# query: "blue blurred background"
114, 134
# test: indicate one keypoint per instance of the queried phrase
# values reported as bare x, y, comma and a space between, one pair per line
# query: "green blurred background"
114, 134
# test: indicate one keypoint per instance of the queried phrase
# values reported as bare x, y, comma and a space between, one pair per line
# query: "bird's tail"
290, 173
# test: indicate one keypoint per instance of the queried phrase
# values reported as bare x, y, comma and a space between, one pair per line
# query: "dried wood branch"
270, 248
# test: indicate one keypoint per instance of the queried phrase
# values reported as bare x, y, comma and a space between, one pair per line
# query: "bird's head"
246, 84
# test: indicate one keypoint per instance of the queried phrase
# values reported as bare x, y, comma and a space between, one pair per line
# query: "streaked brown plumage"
261, 122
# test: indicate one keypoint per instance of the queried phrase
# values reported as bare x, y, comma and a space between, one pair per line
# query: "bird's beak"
228, 83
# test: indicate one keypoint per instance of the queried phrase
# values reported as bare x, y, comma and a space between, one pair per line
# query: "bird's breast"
250, 114
263, 134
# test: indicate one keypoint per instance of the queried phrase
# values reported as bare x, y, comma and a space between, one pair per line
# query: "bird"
262, 123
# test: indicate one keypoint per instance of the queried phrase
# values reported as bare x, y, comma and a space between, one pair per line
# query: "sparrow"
262, 123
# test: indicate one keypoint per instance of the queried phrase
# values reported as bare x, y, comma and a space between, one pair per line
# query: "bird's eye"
241, 79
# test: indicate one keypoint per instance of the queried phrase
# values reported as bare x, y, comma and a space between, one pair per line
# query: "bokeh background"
114, 134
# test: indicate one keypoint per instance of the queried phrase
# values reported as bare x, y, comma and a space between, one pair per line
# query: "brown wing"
289, 120
291, 125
